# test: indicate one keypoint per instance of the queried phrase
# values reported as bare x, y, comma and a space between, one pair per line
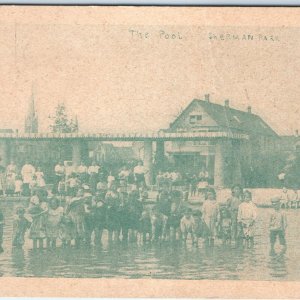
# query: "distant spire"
31, 108
31, 120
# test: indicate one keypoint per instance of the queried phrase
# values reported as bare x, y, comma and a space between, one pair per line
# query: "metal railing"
126, 137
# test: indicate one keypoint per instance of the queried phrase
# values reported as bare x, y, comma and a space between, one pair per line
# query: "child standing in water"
53, 219
173, 222
66, 231
76, 212
233, 204
37, 229
277, 226
225, 225
158, 225
198, 226
187, 225
210, 217
99, 217
246, 218
20, 226
113, 214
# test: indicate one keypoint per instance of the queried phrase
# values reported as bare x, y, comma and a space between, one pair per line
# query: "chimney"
249, 109
226, 103
206, 97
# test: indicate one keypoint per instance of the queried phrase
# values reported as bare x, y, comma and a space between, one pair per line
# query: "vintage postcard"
149, 151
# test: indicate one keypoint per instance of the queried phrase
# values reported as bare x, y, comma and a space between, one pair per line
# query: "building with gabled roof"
241, 161
231, 145
205, 115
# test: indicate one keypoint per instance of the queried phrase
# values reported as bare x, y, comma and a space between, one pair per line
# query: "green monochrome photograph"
150, 143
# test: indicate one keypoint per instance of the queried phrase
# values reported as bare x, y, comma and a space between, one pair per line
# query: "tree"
61, 123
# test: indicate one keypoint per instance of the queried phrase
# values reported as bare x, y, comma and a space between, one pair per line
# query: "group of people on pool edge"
126, 217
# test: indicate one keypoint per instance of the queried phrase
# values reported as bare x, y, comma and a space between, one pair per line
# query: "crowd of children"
15, 181
80, 220
86, 201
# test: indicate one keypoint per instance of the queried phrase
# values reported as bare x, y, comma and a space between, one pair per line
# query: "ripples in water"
161, 260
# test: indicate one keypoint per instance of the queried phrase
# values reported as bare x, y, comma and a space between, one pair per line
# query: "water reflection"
158, 260
278, 266
18, 262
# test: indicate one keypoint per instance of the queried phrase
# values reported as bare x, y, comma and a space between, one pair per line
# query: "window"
195, 119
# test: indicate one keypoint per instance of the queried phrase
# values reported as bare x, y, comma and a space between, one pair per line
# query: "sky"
117, 80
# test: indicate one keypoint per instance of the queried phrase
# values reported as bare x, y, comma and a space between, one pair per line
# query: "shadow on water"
18, 262
278, 266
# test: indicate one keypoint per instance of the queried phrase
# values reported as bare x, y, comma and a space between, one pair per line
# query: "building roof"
289, 142
231, 119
